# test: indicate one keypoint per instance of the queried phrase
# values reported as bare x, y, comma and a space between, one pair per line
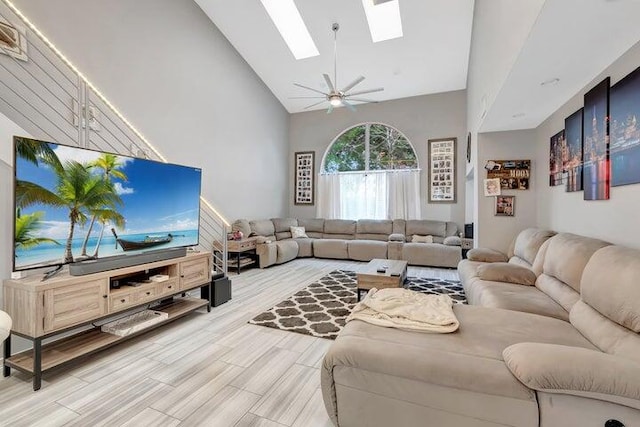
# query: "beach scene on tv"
74, 204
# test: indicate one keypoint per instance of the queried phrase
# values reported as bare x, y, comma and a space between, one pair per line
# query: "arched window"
369, 171
370, 146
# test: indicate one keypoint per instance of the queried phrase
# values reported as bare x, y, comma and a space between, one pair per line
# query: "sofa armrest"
261, 239
452, 241
396, 237
486, 255
506, 272
267, 252
553, 368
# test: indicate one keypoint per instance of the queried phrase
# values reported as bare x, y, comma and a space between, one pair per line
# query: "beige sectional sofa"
361, 240
565, 352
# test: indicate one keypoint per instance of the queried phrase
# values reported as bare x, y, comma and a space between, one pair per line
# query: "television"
73, 204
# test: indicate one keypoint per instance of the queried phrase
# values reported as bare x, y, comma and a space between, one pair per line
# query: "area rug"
320, 309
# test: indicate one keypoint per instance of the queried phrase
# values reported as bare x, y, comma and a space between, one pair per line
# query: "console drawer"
120, 302
169, 287
146, 294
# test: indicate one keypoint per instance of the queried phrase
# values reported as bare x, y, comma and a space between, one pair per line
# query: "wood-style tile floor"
208, 369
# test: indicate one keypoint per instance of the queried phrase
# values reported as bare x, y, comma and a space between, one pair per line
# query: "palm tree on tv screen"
82, 192
110, 165
26, 226
36, 151
104, 217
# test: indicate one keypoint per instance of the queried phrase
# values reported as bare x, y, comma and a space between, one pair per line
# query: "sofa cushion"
330, 248
283, 226
567, 255
374, 226
528, 243
313, 226
305, 247
506, 272
509, 296
431, 254
421, 239
340, 227
611, 285
366, 250
452, 241
263, 227
452, 229
486, 255
243, 226
396, 237
399, 226
426, 227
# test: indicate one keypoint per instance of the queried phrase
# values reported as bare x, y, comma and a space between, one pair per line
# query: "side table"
241, 253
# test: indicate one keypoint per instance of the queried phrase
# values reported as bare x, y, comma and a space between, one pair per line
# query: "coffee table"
393, 277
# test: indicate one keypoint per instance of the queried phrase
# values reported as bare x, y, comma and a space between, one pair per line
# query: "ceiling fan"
335, 97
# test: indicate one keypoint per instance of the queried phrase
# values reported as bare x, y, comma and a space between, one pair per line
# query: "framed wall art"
304, 178
595, 130
13, 40
513, 174
573, 137
557, 152
505, 206
625, 133
492, 187
442, 170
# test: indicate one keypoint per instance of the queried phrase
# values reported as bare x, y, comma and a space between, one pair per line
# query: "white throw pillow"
421, 239
298, 232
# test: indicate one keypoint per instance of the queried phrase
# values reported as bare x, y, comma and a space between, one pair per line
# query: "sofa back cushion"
313, 227
528, 243
608, 313
399, 226
567, 256
339, 229
452, 229
283, 226
424, 227
243, 226
263, 227
374, 229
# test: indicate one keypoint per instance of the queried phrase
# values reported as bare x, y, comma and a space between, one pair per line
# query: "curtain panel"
370, 195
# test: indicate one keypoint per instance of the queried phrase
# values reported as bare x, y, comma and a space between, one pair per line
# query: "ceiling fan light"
335, 100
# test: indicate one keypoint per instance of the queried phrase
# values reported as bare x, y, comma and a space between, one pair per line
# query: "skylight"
384, 19
286, 17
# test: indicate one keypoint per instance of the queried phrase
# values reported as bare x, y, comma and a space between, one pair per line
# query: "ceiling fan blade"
352, 84
307, 97
362, 92
310, 88
330, 109
329, 84
371, 101
313, 105
349, 106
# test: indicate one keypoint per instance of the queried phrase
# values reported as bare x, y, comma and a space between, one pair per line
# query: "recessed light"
286, 17
550, 82
384, 19
518, 115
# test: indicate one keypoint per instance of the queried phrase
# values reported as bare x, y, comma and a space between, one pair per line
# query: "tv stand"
41, 310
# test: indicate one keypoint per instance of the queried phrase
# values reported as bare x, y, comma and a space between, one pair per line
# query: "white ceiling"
572, 40
431, 57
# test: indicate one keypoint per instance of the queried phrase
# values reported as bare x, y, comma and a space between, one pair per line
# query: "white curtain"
403, 188
328, 205
371, 195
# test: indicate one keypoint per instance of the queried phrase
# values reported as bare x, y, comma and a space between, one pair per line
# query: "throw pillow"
452, 241
506, 272
298, 232
421, 239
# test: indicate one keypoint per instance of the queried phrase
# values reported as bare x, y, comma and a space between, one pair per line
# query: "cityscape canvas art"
596, 174
557, 158
573, 138
625, 134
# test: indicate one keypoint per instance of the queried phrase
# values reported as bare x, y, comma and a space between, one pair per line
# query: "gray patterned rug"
321, 308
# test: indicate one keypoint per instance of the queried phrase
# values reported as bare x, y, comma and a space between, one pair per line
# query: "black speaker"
218, 291
468, 231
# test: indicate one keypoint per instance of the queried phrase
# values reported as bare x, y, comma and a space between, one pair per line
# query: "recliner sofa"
506, 366
361, 240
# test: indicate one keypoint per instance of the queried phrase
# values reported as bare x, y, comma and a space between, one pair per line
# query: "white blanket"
405, 309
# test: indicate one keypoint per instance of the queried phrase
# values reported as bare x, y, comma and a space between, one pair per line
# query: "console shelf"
42, 310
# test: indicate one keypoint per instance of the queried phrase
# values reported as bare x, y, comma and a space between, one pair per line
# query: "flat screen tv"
74, 204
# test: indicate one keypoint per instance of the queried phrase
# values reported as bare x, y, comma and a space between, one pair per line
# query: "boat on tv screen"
74, 204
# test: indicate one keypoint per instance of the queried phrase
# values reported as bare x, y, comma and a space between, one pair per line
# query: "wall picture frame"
557, 152
573, 136
513, 174
442, 170
304, 178
595, 131
492, 187
625, 131
505, 206
13, 40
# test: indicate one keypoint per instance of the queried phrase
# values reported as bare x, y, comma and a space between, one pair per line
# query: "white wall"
419, 118
497, 232
614, 220
179, 81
